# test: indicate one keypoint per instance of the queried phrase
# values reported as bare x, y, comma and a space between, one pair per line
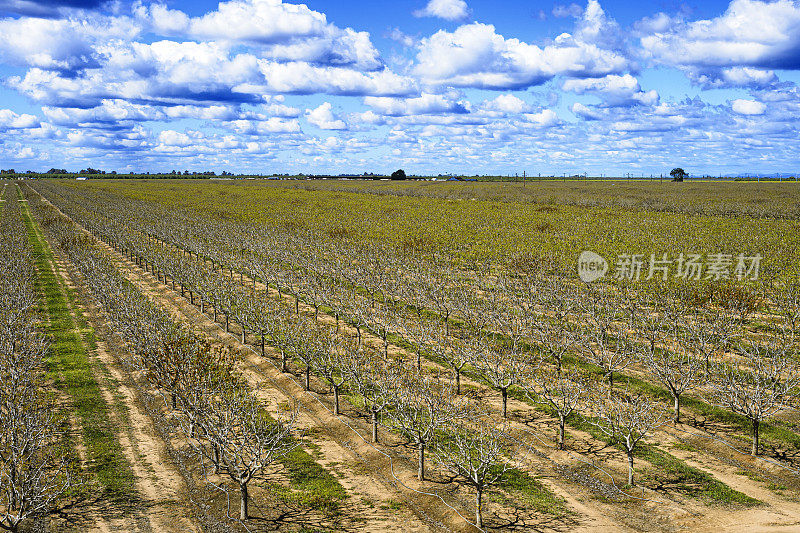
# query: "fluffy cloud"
66, 45
752, 33
748, 107
586, 112
474, 55
720, 78
445, 9
278, 30
266, 126
543, 119
614, 90
323, 118
9, 120
256, 21
508, 104
423, 105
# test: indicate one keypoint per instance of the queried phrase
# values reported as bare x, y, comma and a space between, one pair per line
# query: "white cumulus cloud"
323, 118
748, 107
474, 55
445, 9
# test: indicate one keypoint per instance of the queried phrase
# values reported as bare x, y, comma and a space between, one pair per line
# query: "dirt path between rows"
159, 488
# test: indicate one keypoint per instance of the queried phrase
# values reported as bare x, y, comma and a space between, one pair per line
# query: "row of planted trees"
205, 400
34, 473
668, 331
678, 343
542, 336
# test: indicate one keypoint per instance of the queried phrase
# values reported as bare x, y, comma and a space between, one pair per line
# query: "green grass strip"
669, 472
71, 369
532, 492
311, 484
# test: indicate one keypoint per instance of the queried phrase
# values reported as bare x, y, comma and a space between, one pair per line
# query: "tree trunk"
561, 424
478, 513
336, 400
677, 408
243, 513
244, 335
611, 378
458, 382
630, 468
308, 378
504, 392
755, 437
262, 344
284, 361
374, 425
421, 468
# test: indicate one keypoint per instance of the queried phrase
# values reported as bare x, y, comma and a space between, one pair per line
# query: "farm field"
357, 356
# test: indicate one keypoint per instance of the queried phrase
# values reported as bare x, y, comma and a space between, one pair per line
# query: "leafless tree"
474, 451
605, 341
422, 406
33, 475
757, 384
377, 382
562, 390
500, 367
672, 364
244, 439
625, 417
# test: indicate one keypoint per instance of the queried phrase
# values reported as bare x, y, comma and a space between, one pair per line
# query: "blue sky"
430, 86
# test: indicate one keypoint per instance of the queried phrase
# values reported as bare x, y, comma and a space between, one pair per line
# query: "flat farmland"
427, 356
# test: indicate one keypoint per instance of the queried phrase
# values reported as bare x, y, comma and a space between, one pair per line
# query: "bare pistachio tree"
625, 417
500, 367
332, 364
564, 391
422, 407
245, 439
673, 365
605, 341
33, 475
757, 384
376, 381
474, 451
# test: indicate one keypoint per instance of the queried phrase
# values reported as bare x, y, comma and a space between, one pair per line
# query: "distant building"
81, 178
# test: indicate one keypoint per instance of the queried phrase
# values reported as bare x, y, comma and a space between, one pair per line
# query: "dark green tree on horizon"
678, 174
